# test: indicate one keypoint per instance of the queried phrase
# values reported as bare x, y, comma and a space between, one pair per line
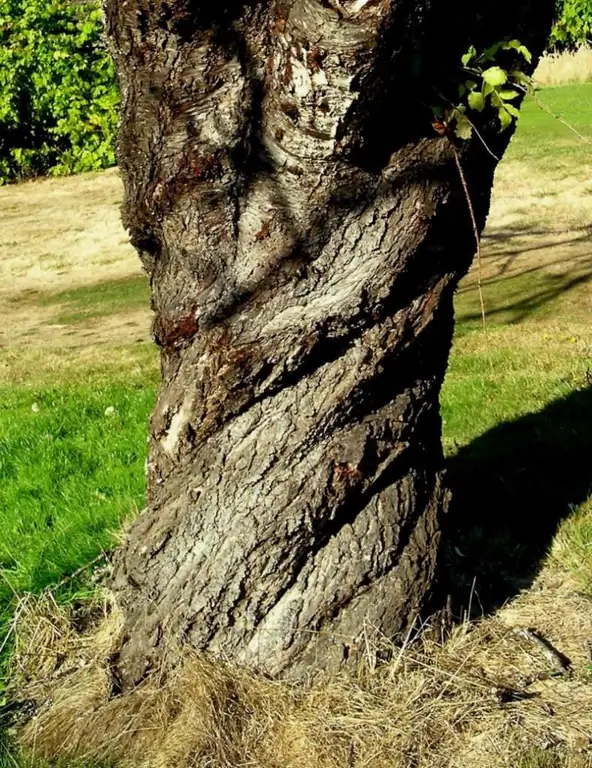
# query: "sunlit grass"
548, 145
71, 469
99, 299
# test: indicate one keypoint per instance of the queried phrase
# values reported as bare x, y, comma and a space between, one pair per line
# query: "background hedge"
58, 97
574, 25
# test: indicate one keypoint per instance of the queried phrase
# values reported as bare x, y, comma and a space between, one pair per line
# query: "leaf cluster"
573, 26
58, 95
485, 84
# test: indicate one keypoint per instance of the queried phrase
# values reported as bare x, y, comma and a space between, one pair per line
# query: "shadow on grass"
512, 487
517, 297
513, 294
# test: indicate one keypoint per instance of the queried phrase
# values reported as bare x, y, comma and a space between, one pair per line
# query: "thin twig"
549, 111
473, 126
470, 608
475, 231
482, 140
78, 571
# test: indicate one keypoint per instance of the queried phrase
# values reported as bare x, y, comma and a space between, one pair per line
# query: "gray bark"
304, 230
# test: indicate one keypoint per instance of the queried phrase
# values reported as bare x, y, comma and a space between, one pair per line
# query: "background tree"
58, 97
574, 25
304, 228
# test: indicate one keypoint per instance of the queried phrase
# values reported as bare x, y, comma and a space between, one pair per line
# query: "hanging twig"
549, 111
475, 231
482, 140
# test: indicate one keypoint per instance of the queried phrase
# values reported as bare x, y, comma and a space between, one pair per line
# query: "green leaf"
53, 60
508, 95
495, 76
514, 111
463, 129
469, 56
491, 53
517, 46
505, 119
496, 100
521, 78
487, 88
476, 101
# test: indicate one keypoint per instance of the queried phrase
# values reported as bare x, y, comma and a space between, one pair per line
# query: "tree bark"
304, 229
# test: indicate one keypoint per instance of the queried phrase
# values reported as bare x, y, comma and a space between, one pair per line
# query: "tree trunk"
304, 229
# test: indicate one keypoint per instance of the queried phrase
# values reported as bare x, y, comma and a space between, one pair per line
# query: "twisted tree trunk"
304, 229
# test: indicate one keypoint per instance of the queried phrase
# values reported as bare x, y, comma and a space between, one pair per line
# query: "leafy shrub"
58, 98
574, 25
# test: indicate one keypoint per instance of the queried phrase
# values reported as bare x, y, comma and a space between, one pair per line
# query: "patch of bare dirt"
55, 235
59, 234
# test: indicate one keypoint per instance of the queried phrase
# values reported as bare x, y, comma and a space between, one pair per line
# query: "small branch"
549, 111
556, 660
67, 579
482, 140
475, 232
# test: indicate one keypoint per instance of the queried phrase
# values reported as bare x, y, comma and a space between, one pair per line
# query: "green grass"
572, 547
9, 760
516, 431
487, 387
543, 758
68, 475
546, 144
99, 300
532, 297
70, 472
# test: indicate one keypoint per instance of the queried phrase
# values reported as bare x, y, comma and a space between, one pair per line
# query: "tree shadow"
519, 295
540, 241
514, 309
517, 286
512, 488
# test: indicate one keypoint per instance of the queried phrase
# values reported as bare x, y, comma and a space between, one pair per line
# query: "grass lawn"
547, 144
71, 467
99, 300
78, 381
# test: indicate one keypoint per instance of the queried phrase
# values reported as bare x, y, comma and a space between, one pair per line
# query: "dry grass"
35, 366
63, 227
523, 200
62, 233
565, 68
484, 698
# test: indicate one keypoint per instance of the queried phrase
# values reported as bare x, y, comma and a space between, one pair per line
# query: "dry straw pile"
488, 696
565, 68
